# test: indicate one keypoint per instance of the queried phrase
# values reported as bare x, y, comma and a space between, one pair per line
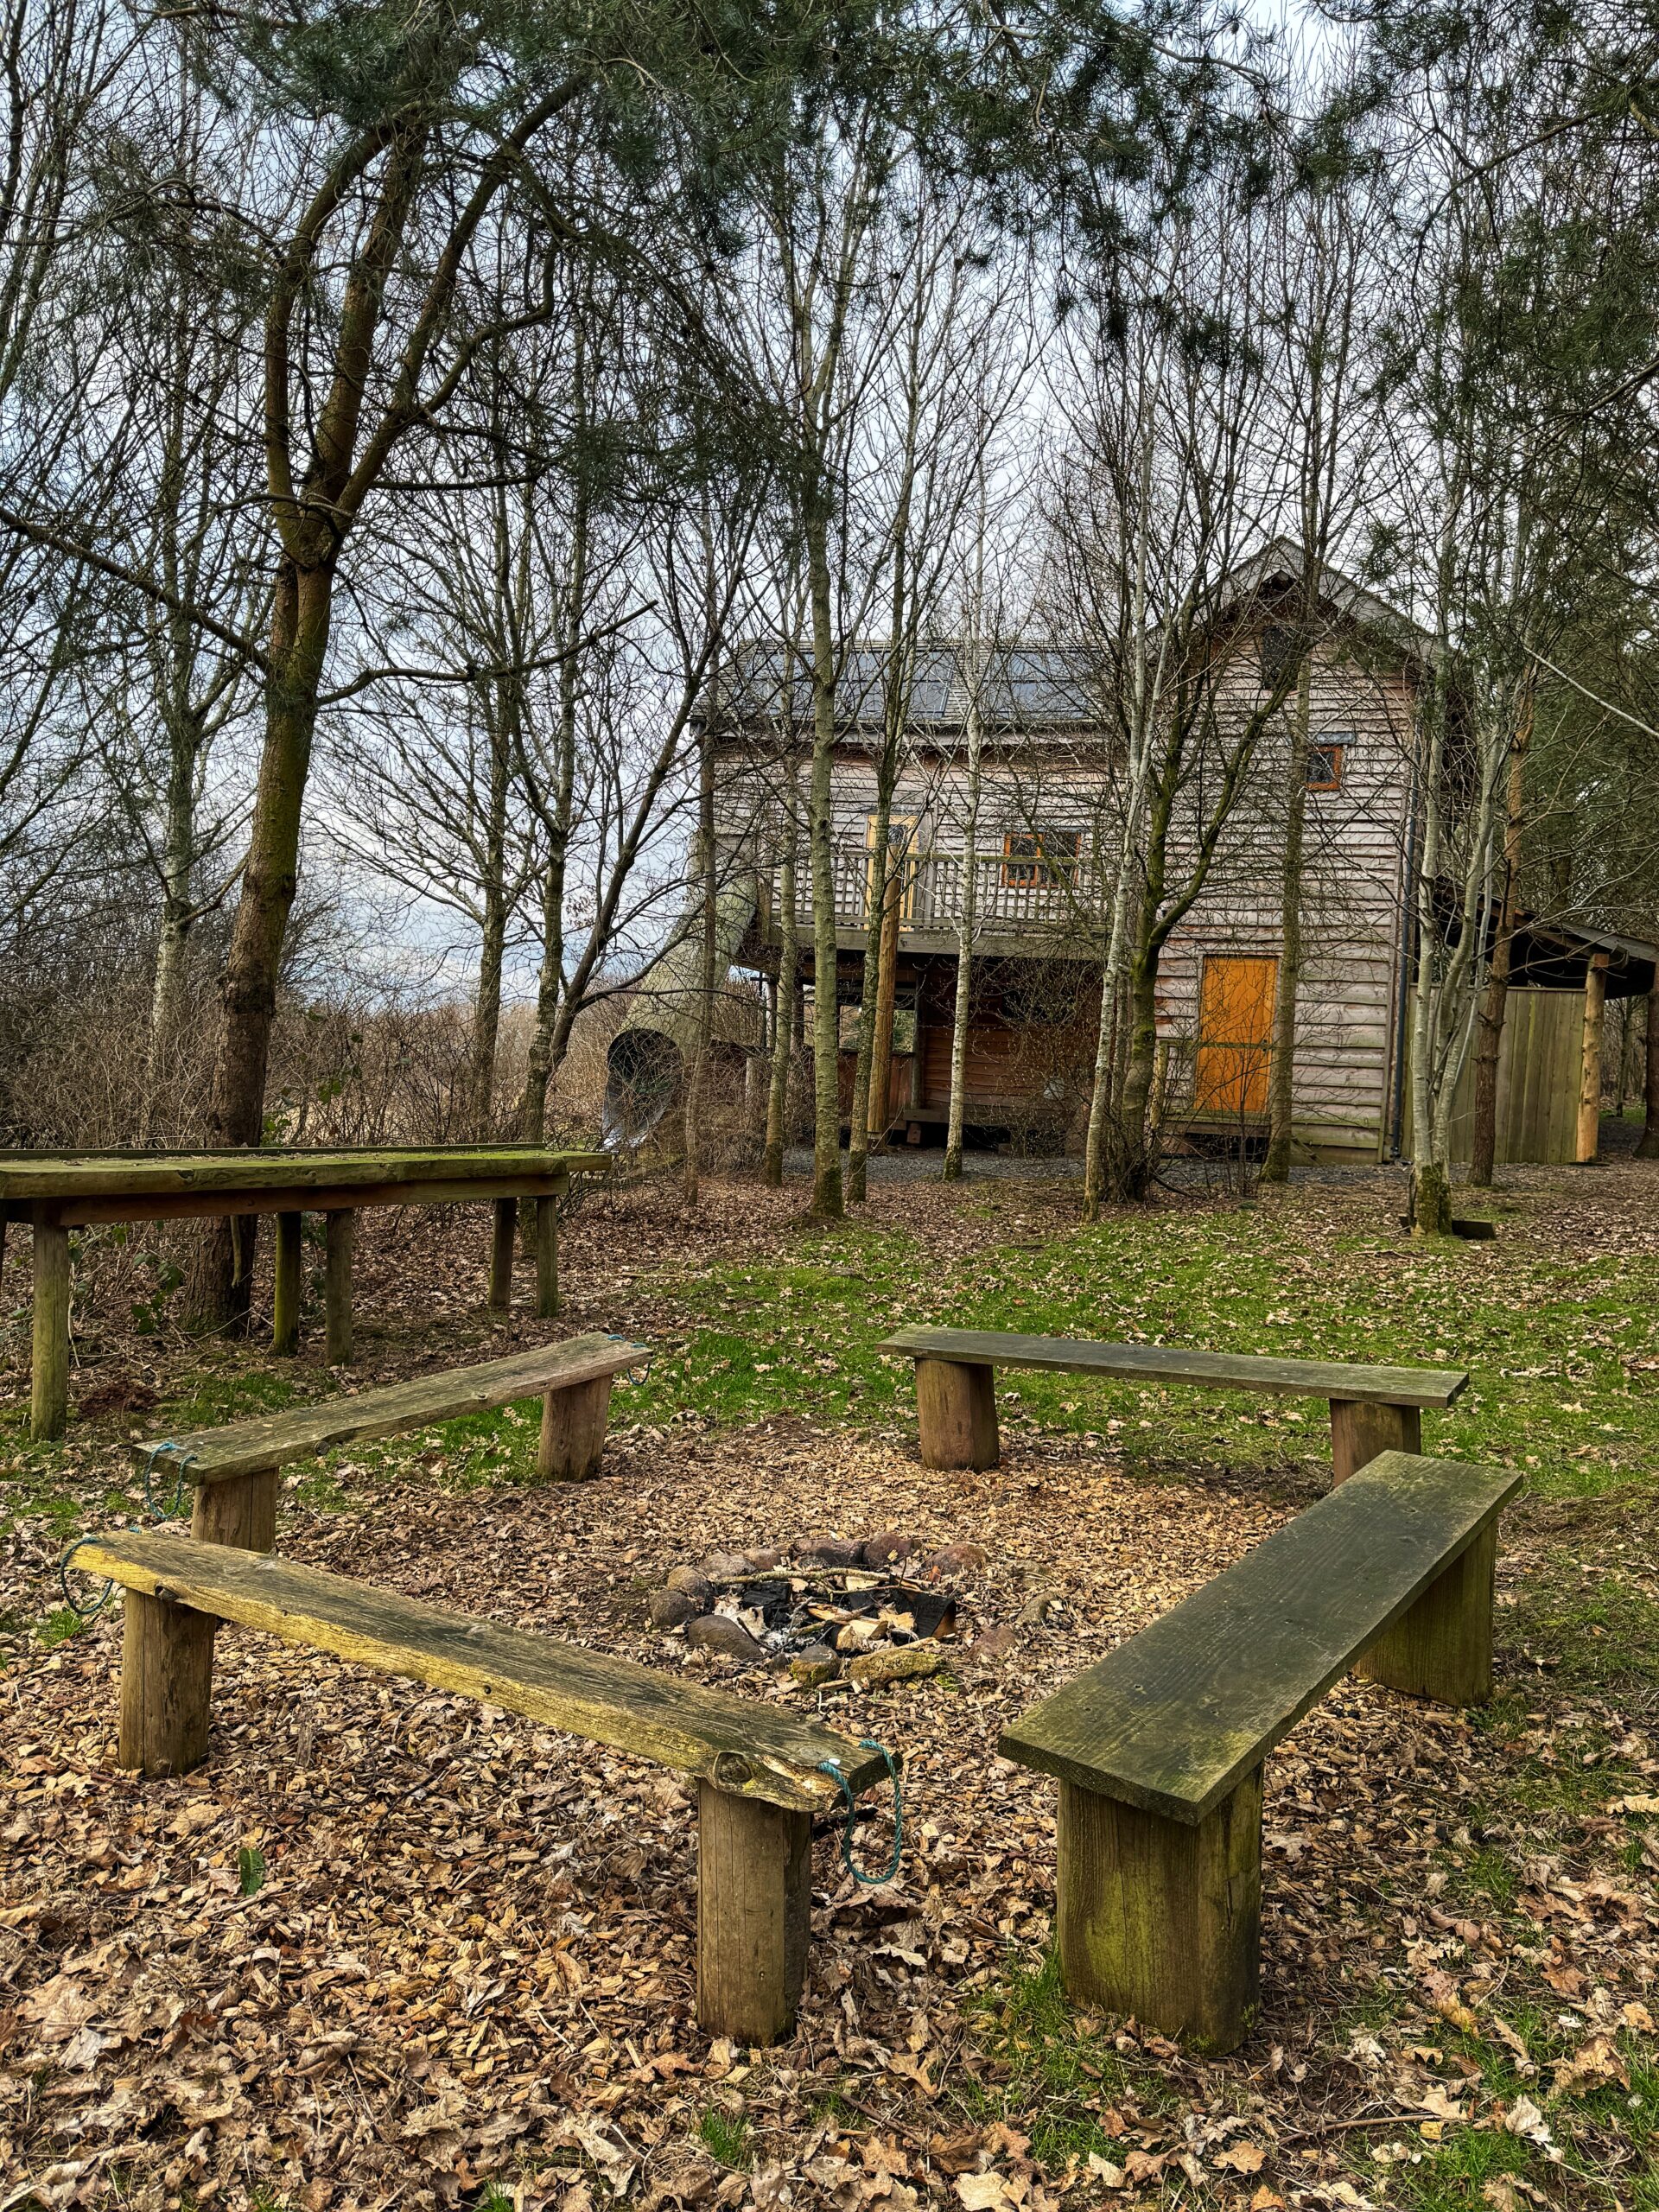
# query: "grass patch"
725, 2136
1052, 2066
1551, 1343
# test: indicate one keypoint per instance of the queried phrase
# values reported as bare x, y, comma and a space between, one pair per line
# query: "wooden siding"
1539, 1060
1355, 840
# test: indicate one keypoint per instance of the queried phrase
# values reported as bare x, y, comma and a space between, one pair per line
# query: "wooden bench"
758, 1768
1372, 1408
1158, 1749
234, 1468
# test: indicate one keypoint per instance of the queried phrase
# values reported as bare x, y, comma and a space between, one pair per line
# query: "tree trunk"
1489, 1037
1648, 1146
1282, 1067
1130, 1175
880, 1087
967, 923
827, 1199
959, 1022
167, 994
299, 641
707, 873
1431, 1198
486, 1013
875, 924
783, 1026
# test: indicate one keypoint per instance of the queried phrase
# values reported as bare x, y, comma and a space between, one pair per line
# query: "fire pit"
837, 1609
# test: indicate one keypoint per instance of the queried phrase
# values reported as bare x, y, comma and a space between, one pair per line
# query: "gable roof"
1277, 566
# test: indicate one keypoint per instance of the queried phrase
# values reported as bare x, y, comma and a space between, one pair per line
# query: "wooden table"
55, 1193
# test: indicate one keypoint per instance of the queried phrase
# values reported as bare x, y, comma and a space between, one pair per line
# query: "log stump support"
1359, 1430
955, 1414
166, 1681
240, 1510
1160, 1918
546, 1259
574, 1421
754, 1907
285, 1299
48, 1389
339, 1229
1441, 1648
504, 1228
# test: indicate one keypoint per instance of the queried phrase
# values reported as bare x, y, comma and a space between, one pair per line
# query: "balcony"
1055, 907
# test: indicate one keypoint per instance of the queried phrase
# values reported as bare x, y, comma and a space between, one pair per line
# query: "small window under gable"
1325, 756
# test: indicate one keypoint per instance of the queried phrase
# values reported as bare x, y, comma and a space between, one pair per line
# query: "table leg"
48, 1408
504, 1231
285, 1302
341, 1229
547, 1258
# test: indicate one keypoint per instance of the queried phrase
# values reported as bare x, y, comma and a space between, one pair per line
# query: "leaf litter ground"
387, 1948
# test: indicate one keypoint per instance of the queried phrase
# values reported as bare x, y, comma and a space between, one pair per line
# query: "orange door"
1234, 1035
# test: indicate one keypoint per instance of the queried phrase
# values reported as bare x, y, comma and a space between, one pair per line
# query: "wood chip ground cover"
390, 1949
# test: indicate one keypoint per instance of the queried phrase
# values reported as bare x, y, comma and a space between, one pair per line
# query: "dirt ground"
466, 1975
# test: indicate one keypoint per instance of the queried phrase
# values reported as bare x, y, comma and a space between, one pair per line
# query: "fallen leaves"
472, 1956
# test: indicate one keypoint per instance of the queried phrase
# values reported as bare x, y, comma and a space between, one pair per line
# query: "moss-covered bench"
759, 1771
1158, 1749
234, 1468
1372, 1408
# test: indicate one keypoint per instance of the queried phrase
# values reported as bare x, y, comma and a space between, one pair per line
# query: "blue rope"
152, 1512
641, 1371
832, 1767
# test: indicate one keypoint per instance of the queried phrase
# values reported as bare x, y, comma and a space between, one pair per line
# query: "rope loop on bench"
832, 1767
152, 1513
640, 1371
171, 1510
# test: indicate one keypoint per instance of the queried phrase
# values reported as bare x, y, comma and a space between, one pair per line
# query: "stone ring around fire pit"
835, 1609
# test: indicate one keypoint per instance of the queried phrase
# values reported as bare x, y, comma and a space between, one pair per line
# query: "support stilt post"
546, 1259
574, 1421
1359, 1432
166, 1681
1441, 1648
1163, 1919
340, 1233
241, 1510
49, 1390
504, 1226
754, 1904
955, 1414
285, 1301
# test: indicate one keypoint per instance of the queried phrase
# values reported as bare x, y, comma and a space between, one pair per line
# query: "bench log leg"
339, 1229
166, 1681
504, 1229
48, 1385
754, 1912
546, 1259
955, 1414
285, 1299
1359, 1432
1441, 1648
1160, 1919
573, 1431
240, 1512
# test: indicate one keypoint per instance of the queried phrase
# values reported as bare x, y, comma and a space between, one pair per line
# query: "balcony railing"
1012, 897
